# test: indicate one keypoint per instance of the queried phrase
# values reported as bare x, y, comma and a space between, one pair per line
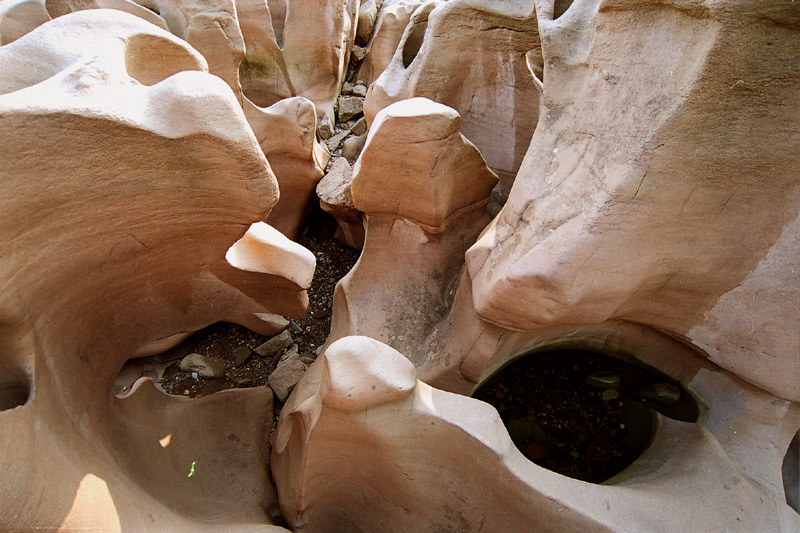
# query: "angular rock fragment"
241, 355
334, 192
275, 345
350, 107
325, 127
360, 127
286, 376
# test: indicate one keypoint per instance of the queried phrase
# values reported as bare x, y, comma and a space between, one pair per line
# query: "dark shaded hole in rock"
15, 391
277, 11
791, 473
224, 340
582, 414
414, 42
560, 7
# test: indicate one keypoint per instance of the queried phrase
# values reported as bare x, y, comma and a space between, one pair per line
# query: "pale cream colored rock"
266, 250
262, 323
129, 174
389, 26
416, 164
480, 70
18, 17
210, 26
358, 53
362, 443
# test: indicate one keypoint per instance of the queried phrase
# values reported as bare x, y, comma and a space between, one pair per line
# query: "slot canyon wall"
521, 176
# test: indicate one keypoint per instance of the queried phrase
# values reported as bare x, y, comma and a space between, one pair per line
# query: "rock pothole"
581, 414
15, 392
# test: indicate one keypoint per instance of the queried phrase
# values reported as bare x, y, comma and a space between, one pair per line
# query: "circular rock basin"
582, 414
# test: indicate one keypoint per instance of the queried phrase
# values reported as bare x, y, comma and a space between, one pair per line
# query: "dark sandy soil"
588, 431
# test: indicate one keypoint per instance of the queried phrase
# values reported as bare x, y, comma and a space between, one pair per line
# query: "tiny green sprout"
191, 471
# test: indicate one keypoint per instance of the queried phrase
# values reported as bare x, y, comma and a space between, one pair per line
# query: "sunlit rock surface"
126, 154
158, 158
362, 444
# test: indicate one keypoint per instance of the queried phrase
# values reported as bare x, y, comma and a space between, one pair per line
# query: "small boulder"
275, 344
663, 393
520, 430
359, 89
352, 147
609, 394
325, 127
359, 52
360, 127
334, 142
350, 107
286, 376
208, 367
334, 192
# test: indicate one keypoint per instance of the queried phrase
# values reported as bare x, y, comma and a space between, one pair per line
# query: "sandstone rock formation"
653, 217
633, 194
423, 188
303, 52
123, 155
590, 252
18, 17
389, 27
364, 445
285, 130
481, 71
